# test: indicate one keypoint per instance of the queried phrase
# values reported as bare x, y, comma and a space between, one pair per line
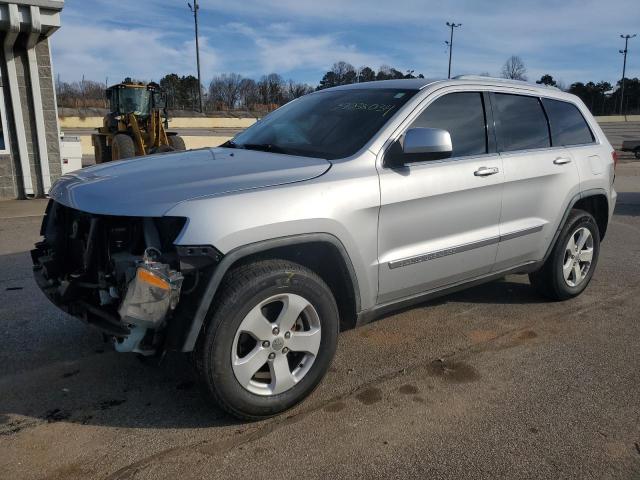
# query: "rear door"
539, 179
570, 130
439, 219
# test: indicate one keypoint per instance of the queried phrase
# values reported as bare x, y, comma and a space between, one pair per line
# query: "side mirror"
419, 145
427, 141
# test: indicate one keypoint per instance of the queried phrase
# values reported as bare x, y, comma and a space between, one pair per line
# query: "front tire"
572, 262
269, 338
122, 147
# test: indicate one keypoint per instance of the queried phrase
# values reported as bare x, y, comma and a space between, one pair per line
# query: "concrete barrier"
80, 122
177, 122
618, 118
191, 141
210, 122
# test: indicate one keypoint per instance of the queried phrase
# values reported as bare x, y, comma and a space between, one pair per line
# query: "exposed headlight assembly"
152, 293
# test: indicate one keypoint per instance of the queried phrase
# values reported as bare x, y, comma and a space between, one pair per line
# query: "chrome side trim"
520, 233
425, 257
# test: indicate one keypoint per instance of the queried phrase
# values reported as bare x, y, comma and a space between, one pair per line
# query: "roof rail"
503, 80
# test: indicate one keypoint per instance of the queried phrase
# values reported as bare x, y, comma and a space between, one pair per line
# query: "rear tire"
177, 142
239, 331
101, 151
572, 262
122, 147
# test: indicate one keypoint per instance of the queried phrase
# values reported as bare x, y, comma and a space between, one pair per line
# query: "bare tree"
81, 94
249, 94
225, 89
385, 72
296, 90
345, 73
514, 69
271, 90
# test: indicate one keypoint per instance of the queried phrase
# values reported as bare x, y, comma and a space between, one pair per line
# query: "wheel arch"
317, 251
597, 204
588, 200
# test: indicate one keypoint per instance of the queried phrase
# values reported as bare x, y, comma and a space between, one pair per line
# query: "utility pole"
624, 68
194, 9
451, 25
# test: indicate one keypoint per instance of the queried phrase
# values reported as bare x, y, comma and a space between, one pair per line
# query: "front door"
439, 219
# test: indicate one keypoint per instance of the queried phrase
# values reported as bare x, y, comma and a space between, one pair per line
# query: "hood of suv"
149, 186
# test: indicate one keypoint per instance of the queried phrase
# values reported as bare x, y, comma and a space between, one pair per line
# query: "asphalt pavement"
493, 382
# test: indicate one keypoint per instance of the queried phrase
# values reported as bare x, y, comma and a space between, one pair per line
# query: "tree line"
600, 97
232, 91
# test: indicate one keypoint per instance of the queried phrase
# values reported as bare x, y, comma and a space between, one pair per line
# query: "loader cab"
133, 98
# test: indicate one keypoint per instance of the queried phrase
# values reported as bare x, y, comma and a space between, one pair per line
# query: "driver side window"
462, 115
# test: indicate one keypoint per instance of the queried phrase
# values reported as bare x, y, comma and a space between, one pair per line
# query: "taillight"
614, 156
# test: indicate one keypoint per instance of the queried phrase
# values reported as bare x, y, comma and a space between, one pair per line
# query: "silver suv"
333, 210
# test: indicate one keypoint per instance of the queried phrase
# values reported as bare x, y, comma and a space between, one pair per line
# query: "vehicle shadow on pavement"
504, 291
109, 389
512, 290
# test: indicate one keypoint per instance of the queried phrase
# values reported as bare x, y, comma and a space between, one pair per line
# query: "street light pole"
194, 9
451, 25
624, 68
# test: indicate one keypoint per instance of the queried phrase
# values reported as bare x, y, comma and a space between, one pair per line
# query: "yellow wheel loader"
136, 125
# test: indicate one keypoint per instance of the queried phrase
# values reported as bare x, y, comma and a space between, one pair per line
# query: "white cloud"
99, 52
279, 49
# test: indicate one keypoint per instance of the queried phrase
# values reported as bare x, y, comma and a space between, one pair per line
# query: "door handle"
485, 171
562, 160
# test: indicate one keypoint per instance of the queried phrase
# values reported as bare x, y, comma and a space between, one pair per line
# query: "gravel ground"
492, 382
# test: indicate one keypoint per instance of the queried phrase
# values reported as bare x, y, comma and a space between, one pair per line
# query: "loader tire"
102, 152
177, 142
122, 147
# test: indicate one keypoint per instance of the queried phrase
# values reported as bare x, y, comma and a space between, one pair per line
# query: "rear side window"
568, 126
462, 115
522, 122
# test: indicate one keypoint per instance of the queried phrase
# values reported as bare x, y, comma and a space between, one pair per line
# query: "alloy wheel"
276, 344
578, 256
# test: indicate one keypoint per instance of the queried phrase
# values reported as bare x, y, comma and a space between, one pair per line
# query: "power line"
451, 25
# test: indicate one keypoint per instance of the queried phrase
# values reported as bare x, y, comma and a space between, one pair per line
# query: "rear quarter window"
522, 124
568, 126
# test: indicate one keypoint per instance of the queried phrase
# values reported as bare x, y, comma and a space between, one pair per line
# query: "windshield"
134, 100
332, 124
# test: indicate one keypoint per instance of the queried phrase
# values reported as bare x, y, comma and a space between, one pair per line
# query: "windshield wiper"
229, 144
264, 147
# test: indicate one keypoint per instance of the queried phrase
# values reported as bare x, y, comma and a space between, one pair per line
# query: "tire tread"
545, 280
229, 293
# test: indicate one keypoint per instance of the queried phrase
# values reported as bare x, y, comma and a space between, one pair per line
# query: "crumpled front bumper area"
119, 274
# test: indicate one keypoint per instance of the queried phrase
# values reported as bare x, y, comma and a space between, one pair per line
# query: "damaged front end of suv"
120, 274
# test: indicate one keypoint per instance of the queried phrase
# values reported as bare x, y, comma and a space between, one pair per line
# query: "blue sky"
300, 39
